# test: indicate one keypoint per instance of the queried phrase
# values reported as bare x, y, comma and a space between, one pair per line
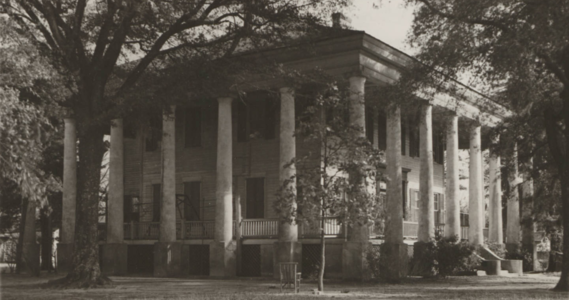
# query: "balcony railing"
332, 228
259, 228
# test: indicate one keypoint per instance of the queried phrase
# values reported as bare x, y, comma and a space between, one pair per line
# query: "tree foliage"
516, 51
87, 41
338, 177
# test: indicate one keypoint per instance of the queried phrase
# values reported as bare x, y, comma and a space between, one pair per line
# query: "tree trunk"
46, 239
563, 165
322, 255
85, 271
563, 284
20, 245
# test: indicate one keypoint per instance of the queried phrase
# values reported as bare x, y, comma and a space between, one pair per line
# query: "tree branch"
478, 21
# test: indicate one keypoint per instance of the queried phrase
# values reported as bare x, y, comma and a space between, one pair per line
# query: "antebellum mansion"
197, 200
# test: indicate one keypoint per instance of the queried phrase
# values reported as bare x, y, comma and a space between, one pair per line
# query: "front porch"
258, 229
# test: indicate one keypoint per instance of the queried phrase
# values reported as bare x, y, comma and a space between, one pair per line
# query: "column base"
64, 257
286, 252
423, 261
114, 259
353, 261
222, 259
395, 261
167, 259
31, 258
513, 248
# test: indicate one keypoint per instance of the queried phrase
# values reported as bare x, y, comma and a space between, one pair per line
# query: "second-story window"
193, 127
256, 116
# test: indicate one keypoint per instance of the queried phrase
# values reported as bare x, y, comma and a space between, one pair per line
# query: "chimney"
338, 20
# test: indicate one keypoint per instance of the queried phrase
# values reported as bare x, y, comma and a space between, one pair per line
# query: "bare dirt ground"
536, 286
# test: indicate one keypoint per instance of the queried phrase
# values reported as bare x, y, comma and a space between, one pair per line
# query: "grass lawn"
527, 287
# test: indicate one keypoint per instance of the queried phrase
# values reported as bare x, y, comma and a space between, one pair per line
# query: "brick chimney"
338, 20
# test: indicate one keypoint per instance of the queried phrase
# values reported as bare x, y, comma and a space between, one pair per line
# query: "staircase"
492, 264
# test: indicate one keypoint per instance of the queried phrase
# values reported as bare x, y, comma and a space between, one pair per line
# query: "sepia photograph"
284, 149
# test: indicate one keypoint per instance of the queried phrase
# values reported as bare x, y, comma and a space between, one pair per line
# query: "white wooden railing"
265, 228
259, 228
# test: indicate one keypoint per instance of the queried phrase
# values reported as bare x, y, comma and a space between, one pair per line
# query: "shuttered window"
241, 121
192, 201
255, 198
154, 134
382, 131
156, 197
414, 139
369, 120
193, 127
257, 116
403, 136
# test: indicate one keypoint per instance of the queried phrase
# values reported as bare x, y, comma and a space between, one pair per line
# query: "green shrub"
374, 263
441, 257
455, 257
525, 255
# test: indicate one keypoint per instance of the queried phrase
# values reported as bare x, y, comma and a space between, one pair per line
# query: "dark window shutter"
192, 201
154, 133
403, 136
241, 121
404, 201
271, 108
193, 127
369, 123
255, 198
156, 202
127, 209
382, 131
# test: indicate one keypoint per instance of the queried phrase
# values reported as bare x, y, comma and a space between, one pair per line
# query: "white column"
357, 103
513, 227
168, 207
394, 216
288, 232
69, 182
115, 201
357, 119
495, 233
426, 208
224, 181
475, 190
452, 224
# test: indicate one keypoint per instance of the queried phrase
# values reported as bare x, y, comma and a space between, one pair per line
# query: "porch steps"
492, 264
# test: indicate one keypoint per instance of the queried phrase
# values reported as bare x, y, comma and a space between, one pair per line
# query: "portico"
177, 194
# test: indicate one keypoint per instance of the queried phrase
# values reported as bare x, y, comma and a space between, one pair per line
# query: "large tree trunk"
563, 284
85, 271
562, 152
46, 239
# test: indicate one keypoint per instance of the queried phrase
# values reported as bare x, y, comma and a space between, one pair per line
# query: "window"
403, 135
369, 123
438, 147
192, 201
382, 131
255, 198
193, 127
156, 197
256, 116
154, 134
414, 139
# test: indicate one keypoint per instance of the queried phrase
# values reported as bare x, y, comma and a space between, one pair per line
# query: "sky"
387, 20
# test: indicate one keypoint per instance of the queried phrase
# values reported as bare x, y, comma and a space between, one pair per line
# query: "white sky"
387, 20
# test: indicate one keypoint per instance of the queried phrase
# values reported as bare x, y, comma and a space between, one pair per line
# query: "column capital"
287, 90
224, 100
357, 79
